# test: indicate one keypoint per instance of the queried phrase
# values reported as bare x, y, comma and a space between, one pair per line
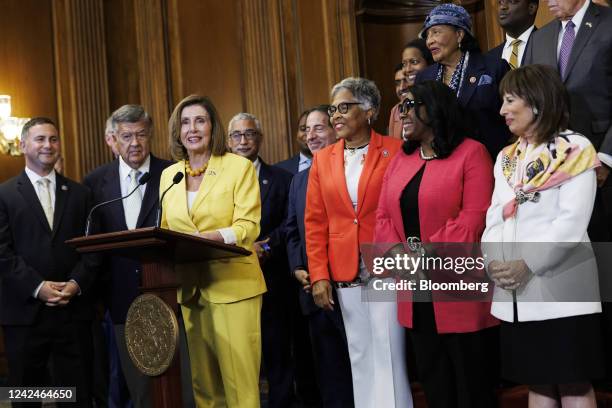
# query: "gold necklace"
196, 172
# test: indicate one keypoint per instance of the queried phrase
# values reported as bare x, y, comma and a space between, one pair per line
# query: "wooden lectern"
159, 250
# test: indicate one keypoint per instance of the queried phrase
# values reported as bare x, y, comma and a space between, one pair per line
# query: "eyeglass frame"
412, 103
342, 108
236, 136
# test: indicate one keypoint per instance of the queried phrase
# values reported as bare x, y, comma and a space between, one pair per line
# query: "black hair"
444, 116
40, 120
421, 45
398, 67
323, 109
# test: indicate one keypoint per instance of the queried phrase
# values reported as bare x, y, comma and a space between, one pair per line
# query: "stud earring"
535, 111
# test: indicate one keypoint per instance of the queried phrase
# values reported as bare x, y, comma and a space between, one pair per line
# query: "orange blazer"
334, 230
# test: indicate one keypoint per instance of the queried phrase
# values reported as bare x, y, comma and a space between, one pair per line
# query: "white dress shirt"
52, 185
524, 37
304, 163
257, 164
124, 175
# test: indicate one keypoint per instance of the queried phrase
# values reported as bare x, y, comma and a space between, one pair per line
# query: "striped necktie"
566, 47
513, 61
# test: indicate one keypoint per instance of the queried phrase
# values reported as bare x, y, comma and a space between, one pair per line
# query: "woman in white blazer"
537, 247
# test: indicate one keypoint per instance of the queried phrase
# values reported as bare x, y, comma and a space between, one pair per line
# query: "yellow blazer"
228, 197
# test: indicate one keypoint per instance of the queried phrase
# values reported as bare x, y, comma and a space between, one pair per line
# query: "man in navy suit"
517, 18
46, 307
131, 132
329, 344
579, 45
245, 137
303, 159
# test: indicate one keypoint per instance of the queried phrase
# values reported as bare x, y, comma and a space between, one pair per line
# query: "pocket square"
485, 80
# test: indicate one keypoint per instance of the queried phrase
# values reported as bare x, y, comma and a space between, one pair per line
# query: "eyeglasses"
248, 134
342, 107
408, 104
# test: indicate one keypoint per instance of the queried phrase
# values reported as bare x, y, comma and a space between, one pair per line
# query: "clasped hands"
509, 275
57, 293
302, 276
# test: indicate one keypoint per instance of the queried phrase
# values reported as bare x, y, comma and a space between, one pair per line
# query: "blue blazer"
479, 96
291, 165
122, 275
274, 187
296, 239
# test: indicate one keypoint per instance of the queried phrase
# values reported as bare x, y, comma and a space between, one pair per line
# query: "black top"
409, 204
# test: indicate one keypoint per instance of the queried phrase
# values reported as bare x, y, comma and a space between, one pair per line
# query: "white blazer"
564, 281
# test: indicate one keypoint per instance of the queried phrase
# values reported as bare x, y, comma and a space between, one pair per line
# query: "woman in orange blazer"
341, 201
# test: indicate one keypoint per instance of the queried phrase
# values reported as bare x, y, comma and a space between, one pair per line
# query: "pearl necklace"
196, 172
427, 158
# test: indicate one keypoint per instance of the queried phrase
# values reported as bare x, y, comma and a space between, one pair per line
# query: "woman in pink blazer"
438, 190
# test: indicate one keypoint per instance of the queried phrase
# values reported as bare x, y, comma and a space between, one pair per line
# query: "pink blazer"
454, 196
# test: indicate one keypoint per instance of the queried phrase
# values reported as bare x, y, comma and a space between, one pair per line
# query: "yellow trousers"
224, 351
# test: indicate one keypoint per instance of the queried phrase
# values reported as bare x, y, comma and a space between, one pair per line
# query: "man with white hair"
245, 138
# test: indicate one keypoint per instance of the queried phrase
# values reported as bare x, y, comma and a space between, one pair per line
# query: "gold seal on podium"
151, 334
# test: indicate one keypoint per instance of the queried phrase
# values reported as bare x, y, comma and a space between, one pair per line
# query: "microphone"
143, 180
175, 180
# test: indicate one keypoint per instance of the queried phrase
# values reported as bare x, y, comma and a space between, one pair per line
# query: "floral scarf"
456, 81
546, 166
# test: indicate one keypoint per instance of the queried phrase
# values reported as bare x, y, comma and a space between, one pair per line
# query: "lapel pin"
385, 153
64, 187
211, 172
588, 24
265, 181
472, 80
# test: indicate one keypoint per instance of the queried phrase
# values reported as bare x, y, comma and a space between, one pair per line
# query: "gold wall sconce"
10, 128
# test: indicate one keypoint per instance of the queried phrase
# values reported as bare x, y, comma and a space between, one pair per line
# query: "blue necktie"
566, 47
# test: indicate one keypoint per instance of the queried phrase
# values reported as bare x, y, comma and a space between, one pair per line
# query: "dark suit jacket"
33, 252
291, 165
498, 51
480, 98
122, 275
296, 239
589, 72
274, 187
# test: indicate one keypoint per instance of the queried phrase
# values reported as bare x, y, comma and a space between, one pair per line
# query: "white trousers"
376, 349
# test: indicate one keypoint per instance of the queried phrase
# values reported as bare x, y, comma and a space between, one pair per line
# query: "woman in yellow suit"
220, 300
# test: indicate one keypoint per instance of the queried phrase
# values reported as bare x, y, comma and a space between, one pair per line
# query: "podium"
159, 250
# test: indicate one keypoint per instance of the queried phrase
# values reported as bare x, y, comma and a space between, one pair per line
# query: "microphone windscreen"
177, 178
144, 178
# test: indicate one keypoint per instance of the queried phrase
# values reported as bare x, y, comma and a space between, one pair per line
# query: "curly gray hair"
364, 90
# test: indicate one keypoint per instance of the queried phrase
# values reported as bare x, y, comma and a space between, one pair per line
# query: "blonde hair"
217, 142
